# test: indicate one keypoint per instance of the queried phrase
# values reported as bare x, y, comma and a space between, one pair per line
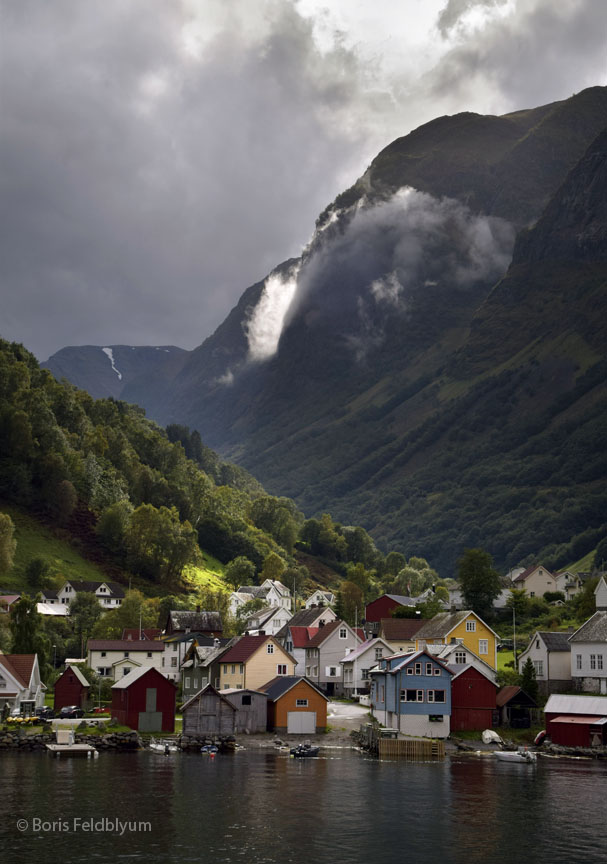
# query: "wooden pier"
411, 748
66, 745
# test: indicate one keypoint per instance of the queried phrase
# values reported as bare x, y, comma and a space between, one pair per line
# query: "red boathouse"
472, 698
71, 688
145, 700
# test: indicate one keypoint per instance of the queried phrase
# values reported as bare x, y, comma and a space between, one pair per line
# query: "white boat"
165, 747
521, 756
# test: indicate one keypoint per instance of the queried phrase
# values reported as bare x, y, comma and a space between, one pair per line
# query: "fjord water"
261, 807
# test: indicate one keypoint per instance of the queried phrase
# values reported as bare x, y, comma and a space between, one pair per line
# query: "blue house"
412, 693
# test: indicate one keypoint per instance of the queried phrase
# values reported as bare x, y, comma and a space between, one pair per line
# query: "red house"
383, 606
71, 688
472, 698
145, 700
576, 721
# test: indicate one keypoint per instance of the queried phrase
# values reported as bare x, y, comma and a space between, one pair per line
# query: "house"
535, 581
182, 622
7, 600
313, 617
71, 688
201, 664
114, 658
145, 700
268, 621
412, 693
465, 626
382, 607
589, 647
252, 661
399, 633
271, 591
251, 709
514, 708
457, 654
569, 583
473, 697
550, 653
320, 598
358, 663
20, 684
456, 598
149, 634
109, 594
208, 712
576, 721
324, 652
295, 644
295, 706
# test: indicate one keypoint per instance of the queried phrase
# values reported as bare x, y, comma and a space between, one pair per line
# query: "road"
348, 715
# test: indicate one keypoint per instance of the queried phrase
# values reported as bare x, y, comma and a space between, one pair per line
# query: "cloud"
264, 325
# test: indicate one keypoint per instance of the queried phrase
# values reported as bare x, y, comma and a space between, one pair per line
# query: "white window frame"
270, 648
343, 632
301, 703
429, 669
578, 661
470, 626
483, 646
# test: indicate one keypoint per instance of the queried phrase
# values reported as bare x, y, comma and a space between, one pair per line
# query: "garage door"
301, 722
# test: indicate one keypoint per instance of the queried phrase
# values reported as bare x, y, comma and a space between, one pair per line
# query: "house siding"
278, 711
472, 701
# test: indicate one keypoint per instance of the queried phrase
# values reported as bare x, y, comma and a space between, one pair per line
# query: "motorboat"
209, 749
304, 750
163, 746
520, 756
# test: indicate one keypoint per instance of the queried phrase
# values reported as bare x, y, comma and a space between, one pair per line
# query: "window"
246, 699
593, 661
270, 648
173, 662
538, 665
187, 683
599, 661
104, 671
412, 695
435, 718
532, 593
403, 695
241, 668
103, 653
195, 683
409, 670
439, 695
420, 695
578, 661
301, 703
379, 653
418, 668
382, 693
225, 668
470, 626
174, 646
331, 672
126, 653
233, 668
437, 670
343, 633
483, 646
126, 670
281, 669
364, 674
428, 668
460, 656
537, 643
430, 696
149, 653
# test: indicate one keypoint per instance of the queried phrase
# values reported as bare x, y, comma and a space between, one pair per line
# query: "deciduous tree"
479, 582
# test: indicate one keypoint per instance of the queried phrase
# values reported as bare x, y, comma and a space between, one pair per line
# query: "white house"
114, 658
550, 654
535, 581
359, 661
320, 598
589, 647
20, 684
271, 591
568, 583
109, 594
324, 652
269, 620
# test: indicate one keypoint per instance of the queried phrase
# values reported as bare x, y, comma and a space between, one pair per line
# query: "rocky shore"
16, 741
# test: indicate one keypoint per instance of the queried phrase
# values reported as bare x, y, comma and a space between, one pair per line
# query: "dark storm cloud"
144, 189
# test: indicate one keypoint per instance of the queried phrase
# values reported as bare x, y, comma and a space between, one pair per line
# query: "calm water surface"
264, 808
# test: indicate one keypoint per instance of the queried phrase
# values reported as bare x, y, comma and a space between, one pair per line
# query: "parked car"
71, 711
45, 713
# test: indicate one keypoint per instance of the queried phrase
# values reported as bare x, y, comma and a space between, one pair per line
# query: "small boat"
209, 749
163, 746
304, 750
520, 756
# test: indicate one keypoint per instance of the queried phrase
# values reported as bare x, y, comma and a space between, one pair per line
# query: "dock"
66, 745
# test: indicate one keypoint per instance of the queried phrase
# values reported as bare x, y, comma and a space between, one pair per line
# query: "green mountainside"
436, 380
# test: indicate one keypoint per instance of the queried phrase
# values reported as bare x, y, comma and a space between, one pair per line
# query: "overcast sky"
159, 156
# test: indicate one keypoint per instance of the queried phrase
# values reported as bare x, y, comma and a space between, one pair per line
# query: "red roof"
300, 636
522, 576
506, 694
19, 665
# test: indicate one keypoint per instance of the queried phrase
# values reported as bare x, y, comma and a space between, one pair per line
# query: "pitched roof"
281, 684
197, 696
593, 630
300, 636
256, 591
196, 620
565, 704
303, 618
394, 629
131, 633
324, 633
135, 674
408, 657
506, 694
76, 671
522, 576
115, 589
555, 641
459, 668
444, 622
279, 587
264, 615
124, 645
246, 646
19, 665
362, 649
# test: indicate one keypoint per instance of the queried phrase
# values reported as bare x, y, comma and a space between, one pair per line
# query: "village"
430, 679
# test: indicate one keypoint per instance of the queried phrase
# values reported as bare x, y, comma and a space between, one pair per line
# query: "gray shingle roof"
202, 621
594, 630
441, 624
556, 641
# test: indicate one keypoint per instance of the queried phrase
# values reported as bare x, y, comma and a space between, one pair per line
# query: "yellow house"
252, 662
465, 627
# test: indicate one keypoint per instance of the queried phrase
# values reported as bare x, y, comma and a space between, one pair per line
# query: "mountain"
432, 367
107, 371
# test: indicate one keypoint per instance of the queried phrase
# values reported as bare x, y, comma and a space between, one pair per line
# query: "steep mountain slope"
384, 377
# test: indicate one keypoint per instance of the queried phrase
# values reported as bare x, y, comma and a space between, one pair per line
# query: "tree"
585, 602
8, 544
528, 680
273, 567
240, 571
359, 576
295, 578
65, 500
600, 556
158, 544
480, 584
349, 604
394, 563
27, 629
135, 608
113, 525
518, 602
84, 613
38, 573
